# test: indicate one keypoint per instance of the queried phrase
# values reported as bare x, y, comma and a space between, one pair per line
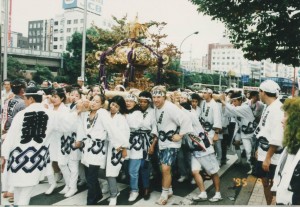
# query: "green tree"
72, 58
263, 29
15, 69
42, 73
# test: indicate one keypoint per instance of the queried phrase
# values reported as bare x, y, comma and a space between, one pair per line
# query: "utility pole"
83, 40
5, 38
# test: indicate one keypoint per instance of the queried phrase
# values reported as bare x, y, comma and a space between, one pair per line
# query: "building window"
38, 32
56, 23
33, 40
60, 46
81, 21
68, 29
34, 25
38, 47
37, 40
55, 39
68, 21
74, 29
30, 25
55, 47
61, 38
38, 25
55, 31
75, 21
30, 40
68, 39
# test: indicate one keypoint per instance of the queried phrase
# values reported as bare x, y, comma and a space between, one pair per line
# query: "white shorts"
208, 162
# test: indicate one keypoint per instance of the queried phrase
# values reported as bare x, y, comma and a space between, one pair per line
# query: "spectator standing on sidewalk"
286, 188
269, 135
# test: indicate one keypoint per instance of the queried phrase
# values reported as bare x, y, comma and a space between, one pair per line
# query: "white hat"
270, 86
80, 78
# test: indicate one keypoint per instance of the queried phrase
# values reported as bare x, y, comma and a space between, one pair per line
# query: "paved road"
183, 192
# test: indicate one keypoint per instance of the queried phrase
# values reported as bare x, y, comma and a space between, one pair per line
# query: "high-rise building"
54, 34
224, 57
18, 40
71, 21
39, 34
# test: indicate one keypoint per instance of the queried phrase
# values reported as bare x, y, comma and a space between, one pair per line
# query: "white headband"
39, 93
131, 97
145, 98
158, 93
237, 97
208, 90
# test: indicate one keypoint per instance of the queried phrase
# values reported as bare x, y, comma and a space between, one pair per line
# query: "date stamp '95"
242, 182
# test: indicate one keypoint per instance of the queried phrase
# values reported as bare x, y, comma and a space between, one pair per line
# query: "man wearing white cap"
82, 88
269, 134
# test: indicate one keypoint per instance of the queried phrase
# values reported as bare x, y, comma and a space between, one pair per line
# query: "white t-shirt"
170, 120
270, 131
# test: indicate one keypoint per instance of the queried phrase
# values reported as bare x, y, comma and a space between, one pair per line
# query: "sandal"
11, 199
162, 201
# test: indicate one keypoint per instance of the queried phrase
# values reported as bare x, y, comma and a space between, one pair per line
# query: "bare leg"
216, 181
199, 180
267, 183
166, 176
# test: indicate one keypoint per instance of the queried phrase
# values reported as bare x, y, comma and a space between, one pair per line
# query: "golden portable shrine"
134, 57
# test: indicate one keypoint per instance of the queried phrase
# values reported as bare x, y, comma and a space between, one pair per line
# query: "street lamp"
182, 80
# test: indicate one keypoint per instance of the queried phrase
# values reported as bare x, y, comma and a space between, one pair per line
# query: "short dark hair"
145, 94
196, 96
17, 85
120, 101
237, 95
186, 105
59, 92
37, 98
253, 93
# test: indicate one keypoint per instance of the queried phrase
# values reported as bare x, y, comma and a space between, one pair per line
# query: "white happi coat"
211, 117
270, 131
114, 159
26, 147
149, 129
135, 120
94, 139
170, 120
287, 166
244, 117
58, 142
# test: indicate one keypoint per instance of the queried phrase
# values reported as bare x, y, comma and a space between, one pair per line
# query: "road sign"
245, 78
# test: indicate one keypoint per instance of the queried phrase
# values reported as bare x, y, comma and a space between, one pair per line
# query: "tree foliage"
99, 39
42, 73
15, 69
263, 29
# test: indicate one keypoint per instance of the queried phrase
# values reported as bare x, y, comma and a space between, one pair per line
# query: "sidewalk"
257, 196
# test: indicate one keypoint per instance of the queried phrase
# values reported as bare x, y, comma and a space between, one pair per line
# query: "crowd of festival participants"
74, 132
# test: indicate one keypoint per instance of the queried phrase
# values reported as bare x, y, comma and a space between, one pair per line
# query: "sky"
181, 17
